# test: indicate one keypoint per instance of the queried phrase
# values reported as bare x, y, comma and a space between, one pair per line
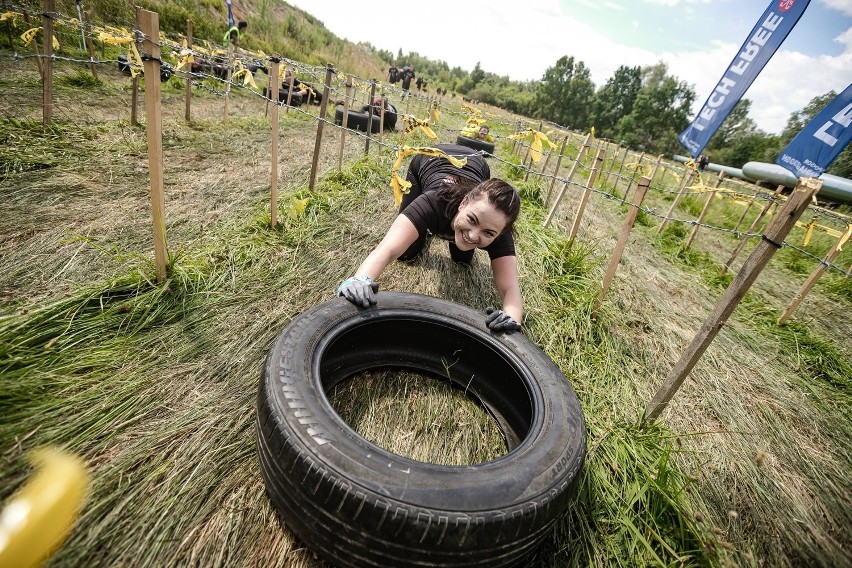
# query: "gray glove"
360, 290
498, 320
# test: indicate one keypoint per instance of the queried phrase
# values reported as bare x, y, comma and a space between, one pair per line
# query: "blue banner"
762, 43
230, 14
815, 147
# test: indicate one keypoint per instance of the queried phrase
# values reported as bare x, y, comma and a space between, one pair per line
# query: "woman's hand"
360, 290
498, 320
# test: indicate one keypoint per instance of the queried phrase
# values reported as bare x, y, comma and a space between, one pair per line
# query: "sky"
697, 39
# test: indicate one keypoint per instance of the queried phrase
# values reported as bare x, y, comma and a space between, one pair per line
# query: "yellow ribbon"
810, 227
401, 186
843, 240
539, 140
9, 15
411, 123
436, 112
471, 110
296, 208
185, 57
809, 231
248, 78
39, 516
636, 166
114, 39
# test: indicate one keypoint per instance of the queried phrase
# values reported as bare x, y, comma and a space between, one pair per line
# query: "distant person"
703, 160
393, 75
406, 77
234, 35
419, 83
482, 132
299, 88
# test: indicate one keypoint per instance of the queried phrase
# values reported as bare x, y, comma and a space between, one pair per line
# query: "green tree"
615, 99
565, 94
660, 112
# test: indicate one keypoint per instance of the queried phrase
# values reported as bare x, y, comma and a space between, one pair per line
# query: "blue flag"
762, 43
815, 147
230, 14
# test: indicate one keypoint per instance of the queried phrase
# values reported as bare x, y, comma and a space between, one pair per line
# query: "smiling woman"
463, 205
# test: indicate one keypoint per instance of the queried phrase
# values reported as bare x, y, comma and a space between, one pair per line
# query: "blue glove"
360, 290
498, 320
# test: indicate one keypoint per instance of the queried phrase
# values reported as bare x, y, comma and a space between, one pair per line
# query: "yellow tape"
411, 123
808, 232
436, 112
10, 16
28, 36
38, 518
296, 208
539, 140
845, 238
401, 186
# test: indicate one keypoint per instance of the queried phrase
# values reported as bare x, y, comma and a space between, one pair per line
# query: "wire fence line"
202, 80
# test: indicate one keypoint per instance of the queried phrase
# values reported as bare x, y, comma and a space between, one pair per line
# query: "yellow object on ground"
39, 516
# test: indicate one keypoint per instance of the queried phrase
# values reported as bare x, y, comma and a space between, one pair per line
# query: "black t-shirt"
432, 213
407, 76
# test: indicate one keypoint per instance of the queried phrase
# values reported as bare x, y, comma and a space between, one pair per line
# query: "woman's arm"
505, 269
399, 237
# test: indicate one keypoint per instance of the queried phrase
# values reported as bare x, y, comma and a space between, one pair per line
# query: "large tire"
356, 504
476, 144
295, 100
390, 117
357, 120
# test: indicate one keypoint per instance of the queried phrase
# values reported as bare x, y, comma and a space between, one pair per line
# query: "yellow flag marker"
38, 518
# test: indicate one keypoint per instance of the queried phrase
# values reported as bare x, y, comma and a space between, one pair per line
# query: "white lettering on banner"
842, 118
738, 67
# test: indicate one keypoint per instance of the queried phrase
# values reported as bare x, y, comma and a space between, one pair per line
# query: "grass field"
154, 384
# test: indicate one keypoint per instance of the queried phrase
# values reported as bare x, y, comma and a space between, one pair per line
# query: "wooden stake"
687, 179
290, 85
382, 118
370, 116
656, 167
556, 170
273, 176
704, 211
187, 111
745, 213
633, 177
590, 183
772, 239
345, 120
89, 45
561, 193
329, 71
751, 228
815, 275
47, 68
228, 73
149, 24
134, 82
629, 221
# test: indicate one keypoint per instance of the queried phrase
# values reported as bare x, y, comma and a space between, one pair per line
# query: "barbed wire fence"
219, 71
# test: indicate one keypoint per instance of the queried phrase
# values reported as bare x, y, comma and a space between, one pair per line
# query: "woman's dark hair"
500, 194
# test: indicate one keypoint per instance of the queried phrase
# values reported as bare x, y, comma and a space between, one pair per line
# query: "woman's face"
477, 223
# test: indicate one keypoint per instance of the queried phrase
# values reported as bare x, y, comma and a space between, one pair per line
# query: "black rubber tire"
295, 100
475, 143
356, 504
390, 117
357, 120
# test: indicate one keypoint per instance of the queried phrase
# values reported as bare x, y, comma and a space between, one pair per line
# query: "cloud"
843, 6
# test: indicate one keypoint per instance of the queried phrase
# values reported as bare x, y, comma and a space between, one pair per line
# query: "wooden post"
345, 121
656, 167
629, 221
407, 95
621, 165
382, 119
751, 228
290, 86
815, 275
704, 211
561, 193
273, 176
87, 27
633, 177
370, 116
743, 216
149, 23
47, 68
772, 239
589, 185
329, 71
556, 170
188, 96
134, 82
228, 73
687, 178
